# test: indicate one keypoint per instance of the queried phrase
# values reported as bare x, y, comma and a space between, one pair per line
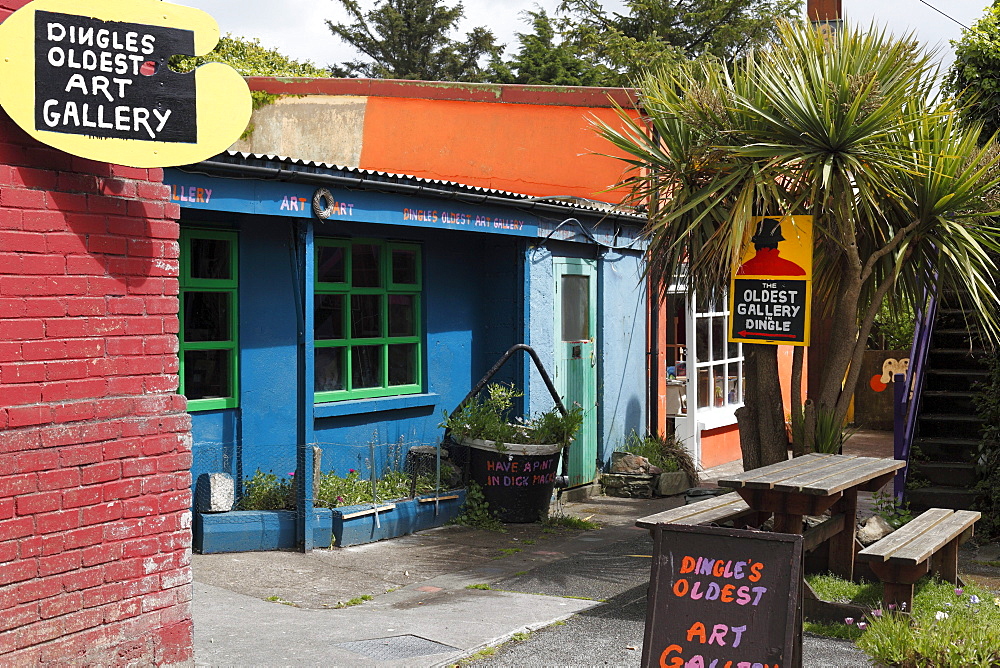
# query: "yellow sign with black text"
92, 79
770, 294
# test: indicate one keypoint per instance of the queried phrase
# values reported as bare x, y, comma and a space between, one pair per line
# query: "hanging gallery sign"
92, 79
770, 294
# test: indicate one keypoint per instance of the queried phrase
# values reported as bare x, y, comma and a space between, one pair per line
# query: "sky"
297, 28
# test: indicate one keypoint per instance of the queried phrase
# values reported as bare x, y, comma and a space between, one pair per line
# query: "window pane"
206, 374
718, 338
330, 264
206, 316
401, 315
366, 316
707, 302
329, 370
366, 366
575, 308
704, 388
701, 334
404, 267
733, 384
402, 364
329, 315
365, 266
733, 348
719, 384
211, 258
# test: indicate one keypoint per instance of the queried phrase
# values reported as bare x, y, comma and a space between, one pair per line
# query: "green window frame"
209, 317
368, 333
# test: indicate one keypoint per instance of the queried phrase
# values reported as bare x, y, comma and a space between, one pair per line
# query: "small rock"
630, 463
873, 529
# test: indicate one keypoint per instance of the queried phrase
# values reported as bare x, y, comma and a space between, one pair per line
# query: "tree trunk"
763, 438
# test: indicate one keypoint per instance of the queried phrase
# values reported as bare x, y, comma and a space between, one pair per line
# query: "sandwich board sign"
771, 291
92, 79
723, 598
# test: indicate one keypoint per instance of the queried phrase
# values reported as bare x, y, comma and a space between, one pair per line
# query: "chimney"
823, 10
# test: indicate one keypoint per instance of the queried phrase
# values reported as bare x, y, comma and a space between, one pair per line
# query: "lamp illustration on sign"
92, 79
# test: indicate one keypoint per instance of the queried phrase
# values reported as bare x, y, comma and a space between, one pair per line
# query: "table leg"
785, 523
842, 550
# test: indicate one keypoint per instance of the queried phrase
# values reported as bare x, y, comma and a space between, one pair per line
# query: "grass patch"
837, 590
520, 636
947, 628
483, 586
841, 631
994, 564
528, 541
520, 573
510, 550
570, 522
358, 600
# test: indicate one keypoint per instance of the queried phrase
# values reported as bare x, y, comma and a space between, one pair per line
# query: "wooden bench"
714, 510
926, 544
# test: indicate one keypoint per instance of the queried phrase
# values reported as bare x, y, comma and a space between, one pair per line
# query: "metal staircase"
945, 428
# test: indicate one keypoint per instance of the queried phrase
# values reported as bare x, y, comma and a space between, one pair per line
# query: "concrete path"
280, 608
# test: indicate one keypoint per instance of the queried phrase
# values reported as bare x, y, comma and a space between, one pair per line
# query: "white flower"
940, 614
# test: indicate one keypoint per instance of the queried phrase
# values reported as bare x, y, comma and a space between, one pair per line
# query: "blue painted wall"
482, 294
472, 309
621, 335
621, 395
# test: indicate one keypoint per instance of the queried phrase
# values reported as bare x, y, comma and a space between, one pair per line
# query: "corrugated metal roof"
313, 167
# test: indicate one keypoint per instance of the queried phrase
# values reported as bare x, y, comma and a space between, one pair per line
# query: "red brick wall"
94, 441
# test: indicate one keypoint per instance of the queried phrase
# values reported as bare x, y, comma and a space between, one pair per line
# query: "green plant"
265, 491
569, 522
987, 402
482, 586
666, 453
357, 600
830, 433
476, 511
278, 599
490, 418
896, 514
948, 628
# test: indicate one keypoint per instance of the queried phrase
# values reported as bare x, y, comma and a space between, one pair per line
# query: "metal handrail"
908, 391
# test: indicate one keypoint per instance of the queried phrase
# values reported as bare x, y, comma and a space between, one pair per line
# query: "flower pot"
517, 479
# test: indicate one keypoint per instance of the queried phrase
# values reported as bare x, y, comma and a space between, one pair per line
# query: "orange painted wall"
525, 148
720, 446
785, 374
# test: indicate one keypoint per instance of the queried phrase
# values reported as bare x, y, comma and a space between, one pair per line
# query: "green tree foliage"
975, 74
545, 58
849, 130
409, 39
654, 33
249, 58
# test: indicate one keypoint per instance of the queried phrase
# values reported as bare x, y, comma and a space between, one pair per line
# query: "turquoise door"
576, 357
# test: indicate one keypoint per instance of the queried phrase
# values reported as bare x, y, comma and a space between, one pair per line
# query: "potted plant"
513, 459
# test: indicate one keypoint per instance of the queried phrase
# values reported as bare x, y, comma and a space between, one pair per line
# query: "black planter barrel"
517, 479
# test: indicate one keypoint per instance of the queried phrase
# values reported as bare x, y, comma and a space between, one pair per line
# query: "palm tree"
848, 129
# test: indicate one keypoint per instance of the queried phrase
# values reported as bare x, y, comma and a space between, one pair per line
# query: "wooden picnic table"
811, 485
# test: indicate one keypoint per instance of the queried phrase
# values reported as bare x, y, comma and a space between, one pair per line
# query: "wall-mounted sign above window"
92, 79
